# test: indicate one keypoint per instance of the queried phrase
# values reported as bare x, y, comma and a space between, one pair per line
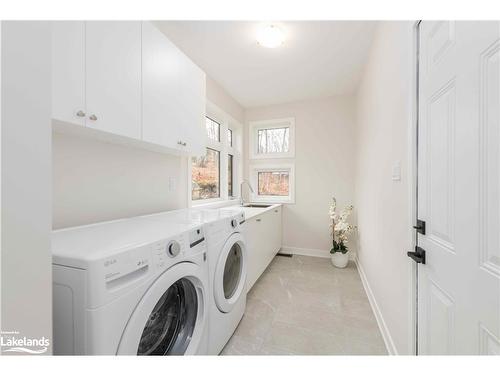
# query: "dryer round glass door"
230, 273
232, 270
171, 324
171, 317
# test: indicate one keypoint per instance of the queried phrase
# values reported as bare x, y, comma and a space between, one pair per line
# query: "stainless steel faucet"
242, 202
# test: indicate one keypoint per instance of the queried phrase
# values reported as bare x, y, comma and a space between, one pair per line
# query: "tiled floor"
303, 305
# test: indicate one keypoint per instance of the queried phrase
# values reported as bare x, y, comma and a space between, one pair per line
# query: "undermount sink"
257, 205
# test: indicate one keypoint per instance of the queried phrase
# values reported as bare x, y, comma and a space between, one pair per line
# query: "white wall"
26, 273
218, 96
324, 166
95, 181
384, 108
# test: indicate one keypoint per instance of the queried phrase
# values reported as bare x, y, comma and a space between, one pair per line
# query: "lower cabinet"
263, 234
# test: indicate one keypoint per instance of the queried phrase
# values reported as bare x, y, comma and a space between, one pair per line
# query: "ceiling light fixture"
270, 36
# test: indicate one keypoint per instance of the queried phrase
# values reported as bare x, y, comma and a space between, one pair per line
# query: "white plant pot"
340, 260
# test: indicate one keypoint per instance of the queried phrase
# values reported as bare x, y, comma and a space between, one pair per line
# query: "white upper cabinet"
68, 66
173, 95
193, 104
113, 77
126, 78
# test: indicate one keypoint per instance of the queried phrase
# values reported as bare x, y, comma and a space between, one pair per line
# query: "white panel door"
173, 95
458, 188
68, 71
113, 77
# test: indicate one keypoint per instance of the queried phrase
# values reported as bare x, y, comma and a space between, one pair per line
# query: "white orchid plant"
340, 228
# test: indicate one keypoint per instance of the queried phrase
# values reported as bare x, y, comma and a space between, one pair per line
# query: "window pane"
273, 183
230, 137
213, 129
206, 176
273, 140
230, 175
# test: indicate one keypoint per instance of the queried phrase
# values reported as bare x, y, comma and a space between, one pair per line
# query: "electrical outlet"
396, 171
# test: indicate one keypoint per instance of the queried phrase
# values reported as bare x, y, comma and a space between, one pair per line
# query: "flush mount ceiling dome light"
270, 36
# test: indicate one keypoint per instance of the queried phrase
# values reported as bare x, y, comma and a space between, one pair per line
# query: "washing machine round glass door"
230, 273
170, 318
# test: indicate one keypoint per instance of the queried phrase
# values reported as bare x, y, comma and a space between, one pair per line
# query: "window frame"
219, 174
275, 167
230, 142
226, 122
219, 129
253, 131
230, 176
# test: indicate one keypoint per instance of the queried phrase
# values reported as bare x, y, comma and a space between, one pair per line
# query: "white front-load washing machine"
227, 258
130, 287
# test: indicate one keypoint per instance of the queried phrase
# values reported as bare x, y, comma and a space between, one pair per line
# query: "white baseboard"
303, 251
386, 335
312, 252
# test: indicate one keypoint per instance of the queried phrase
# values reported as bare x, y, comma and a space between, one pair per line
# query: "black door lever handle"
420, 227
418, 255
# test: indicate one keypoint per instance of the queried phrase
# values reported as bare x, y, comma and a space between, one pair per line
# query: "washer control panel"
108, 276
167, 252
241, 218
173, 248
125, 266
196, 237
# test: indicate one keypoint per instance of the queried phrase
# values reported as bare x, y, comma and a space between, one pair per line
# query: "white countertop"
77, 246
251, 212
89, 242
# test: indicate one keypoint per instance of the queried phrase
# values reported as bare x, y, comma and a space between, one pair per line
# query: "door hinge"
420, 227
418, 255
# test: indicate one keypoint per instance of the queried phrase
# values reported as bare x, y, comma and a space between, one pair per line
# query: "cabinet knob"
257, 219
80, 113
93, 117
181, 143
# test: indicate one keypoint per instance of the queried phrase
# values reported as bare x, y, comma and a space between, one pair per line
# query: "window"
275, 182
213, 129
206, 176
272, 139
214, 176
230, 175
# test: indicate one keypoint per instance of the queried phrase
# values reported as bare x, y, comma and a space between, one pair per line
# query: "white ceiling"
318, 58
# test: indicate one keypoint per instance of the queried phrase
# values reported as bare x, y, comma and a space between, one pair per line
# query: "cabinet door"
161, 71
113, 77
276, 230
254, 235
173, 95
192, 98
68, 71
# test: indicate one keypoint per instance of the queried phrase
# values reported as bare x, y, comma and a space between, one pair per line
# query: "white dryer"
227, 257
130, 287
